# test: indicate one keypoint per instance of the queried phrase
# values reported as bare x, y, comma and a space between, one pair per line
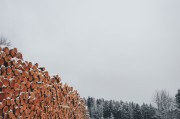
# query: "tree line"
165, 107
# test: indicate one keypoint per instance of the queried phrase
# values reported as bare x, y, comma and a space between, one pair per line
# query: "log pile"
29, 92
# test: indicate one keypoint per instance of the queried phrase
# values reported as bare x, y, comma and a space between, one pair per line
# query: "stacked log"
27, 91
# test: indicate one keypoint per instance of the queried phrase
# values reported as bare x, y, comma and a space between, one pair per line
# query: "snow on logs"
29, 92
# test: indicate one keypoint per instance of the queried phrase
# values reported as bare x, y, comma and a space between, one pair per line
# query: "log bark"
28, 91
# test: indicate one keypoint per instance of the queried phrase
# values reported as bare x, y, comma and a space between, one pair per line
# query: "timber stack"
29, 92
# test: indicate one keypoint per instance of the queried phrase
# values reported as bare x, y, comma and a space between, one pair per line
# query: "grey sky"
115, 49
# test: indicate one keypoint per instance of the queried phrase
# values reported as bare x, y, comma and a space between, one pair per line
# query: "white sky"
115, 49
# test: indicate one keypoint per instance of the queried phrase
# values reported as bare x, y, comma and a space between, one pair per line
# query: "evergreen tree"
117, 114
91, 105
145, 111
137, 112
177, 112
90, 102
125, 112
178, 99
152, 112
106, 110
99, 109
116, 110
131, 109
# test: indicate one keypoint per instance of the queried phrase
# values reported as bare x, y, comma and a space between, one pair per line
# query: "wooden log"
16, 92
36, 64
5, 116
22, 85
19, 55
30, 65
12, 101
9, 77
5, 109
19, 61
17, 79
3, 72
15, 50
35, 75
28, 84
24, 89
12, 52
13, 62
3, 55
5, 82
31, 91
1, 84
4, 102
1, 61
25, 67
11, 115
6, 50
16, 72
1, 105
9, 71
17, 111
34, 67
7, 59
8, 101
17, 86
12, 83
46, 74
4, 90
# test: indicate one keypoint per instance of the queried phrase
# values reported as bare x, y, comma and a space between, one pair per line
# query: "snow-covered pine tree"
178, 99
106, 110
137, 112
117, 110
91, 104
145, 111
99, 108
125, 112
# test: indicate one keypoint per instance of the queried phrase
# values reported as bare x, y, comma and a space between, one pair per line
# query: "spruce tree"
106, 110
137, 112
178, 104
125, 112
178, 99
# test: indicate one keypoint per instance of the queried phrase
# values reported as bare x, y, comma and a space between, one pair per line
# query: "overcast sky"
112, 49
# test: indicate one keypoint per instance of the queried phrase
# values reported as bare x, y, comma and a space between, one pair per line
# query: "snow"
15, 58
22, 93
20, 71
40, 82
11, 79
3, 86
2, 66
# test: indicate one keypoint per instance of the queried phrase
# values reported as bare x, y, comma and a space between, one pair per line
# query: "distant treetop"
4, 41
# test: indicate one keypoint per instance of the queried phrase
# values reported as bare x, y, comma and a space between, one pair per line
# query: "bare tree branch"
4, 41
165, 103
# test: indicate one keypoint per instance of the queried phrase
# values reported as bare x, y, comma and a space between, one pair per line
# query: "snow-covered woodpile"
29, 92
